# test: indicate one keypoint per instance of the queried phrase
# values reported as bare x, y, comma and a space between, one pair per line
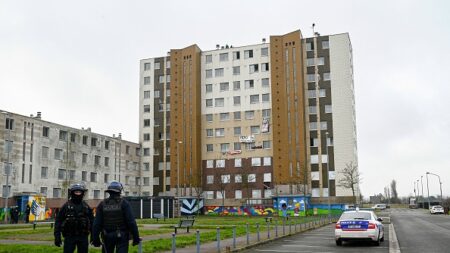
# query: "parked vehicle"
436, 210
359, 225
379, 207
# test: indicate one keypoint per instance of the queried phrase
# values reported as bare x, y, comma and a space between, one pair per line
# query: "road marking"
393, 242
290, 251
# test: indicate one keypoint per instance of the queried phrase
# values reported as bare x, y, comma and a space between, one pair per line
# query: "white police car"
359, 225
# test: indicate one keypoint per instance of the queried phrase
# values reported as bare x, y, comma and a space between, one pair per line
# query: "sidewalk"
226, 245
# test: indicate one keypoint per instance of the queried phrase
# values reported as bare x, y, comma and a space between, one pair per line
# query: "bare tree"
222, 182
394, 191
197, 187
351, 177
247, 183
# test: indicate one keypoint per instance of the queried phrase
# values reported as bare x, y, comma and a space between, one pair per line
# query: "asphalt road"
419, 231
321, 240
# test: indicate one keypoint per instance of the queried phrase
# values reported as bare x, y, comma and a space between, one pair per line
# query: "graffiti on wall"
291, 205
239, 211
37, 205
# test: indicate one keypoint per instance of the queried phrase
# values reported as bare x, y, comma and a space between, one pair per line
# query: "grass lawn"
206, 224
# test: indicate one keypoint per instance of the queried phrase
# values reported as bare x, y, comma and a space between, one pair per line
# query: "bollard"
268, 230
248, 236
140, 246
257, 231
234, 236
174, 247
290, 226
295, 226
276, 228
218, 239
284, 224
198, 241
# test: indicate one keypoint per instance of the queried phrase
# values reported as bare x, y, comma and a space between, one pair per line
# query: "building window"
146, 94
106, 178
238, 178
85, 140
266, 145
71, 174
146, 181
224, 86
264, 67
309, 46
253, 68
208, 73
225, 179
236, 85
218, 72
146, 108
96, 194
209, 117
156, 93
328, 109
224, 116
256, 194
220, 195
311, 77
312, 93
236, 70
45, 131
61, 174
62, 135
9, 124
267, 177
97, 160
236, 100
209, 133
220, 132
208, 58
146, 122
254, 99
147, 166
157, 65
236, 55
251, 178
83, 175
224, 147
209, 147
56, 192
237, 115
146, 151
325, 44
106, 161
265, 51
44, 172
266, 113
249, 84
237, 130
146, 80
146, 137
137, 181
312, 110
220, 163
265, 82
43, 191
44, 151
238, 162
209, 194
147, 66
209, 102
106, 145
209, 88
209, 163
313, 142
93, 142
248, 54
93, 177
249, 114
267, 161
219, 102
58, 154
84, 158
256, 161
223, 57
238, 194
237, 146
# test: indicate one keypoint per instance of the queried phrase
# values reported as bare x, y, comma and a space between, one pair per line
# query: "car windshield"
355, 216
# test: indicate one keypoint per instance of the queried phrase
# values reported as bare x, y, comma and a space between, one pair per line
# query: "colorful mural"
37, 205
190, 206
291, 205
256, 210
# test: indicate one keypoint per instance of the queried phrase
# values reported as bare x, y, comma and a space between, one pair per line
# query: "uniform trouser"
81, 242
111, 241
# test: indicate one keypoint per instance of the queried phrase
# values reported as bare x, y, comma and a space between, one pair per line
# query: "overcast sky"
78, 63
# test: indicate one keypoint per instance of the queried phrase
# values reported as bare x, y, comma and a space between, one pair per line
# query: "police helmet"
78, 187
115, 186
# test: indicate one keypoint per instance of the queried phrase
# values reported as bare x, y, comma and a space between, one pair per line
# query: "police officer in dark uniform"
114, 220
74, 221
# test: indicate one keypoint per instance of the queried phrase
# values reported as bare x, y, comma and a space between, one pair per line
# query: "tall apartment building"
45, 158
250, 122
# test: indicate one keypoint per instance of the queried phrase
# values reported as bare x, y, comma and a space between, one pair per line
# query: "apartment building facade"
250, 122
45, 158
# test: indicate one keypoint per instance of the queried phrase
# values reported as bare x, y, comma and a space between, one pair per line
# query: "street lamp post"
7, 167
418, 192
178, 168
415, 195
428, 189
421, 183
328, 176
440, 183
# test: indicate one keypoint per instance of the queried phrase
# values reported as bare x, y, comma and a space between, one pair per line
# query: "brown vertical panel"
185, 116
281, 106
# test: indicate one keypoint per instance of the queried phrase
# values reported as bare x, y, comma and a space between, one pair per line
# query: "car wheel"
339, 242
382, 239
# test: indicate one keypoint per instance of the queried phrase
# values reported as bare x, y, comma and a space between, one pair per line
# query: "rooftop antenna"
313, 25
